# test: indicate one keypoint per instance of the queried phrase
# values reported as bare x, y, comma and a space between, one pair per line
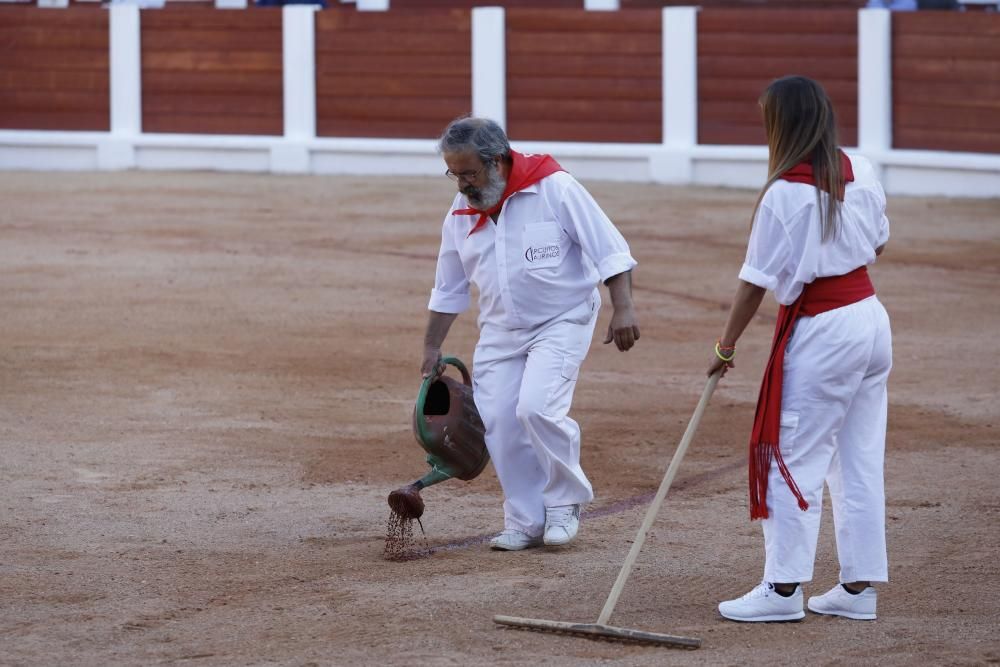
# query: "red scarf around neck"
526, 169
819, 296
803, 173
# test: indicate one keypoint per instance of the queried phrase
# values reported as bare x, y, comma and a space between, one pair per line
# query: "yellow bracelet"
719, 354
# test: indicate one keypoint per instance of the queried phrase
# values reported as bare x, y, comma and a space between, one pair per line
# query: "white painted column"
601, 5
298, 52
680, 96
875, 84
125, 56
489, 64
372, 5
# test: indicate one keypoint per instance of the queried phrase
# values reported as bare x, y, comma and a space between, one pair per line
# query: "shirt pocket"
542, 245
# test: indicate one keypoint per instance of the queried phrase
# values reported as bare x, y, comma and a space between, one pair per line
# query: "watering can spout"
434, 475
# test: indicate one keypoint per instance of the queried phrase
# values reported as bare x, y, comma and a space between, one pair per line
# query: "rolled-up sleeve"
588, 225
768, 251
883, 224
451, 286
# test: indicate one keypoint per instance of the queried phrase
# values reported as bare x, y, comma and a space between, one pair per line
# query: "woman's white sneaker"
763, 603
838, 602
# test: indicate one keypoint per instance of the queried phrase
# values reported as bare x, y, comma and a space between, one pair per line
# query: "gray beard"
489, 195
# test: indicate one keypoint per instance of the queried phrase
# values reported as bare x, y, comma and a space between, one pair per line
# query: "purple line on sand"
613, 508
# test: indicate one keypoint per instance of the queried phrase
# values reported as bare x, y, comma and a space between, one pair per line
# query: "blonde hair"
800, 125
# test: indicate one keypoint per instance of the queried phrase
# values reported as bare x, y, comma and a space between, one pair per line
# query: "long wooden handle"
647, 522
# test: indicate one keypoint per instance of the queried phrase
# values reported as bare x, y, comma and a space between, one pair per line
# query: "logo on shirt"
542, 252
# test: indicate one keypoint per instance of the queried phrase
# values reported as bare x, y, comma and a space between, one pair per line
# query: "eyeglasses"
465, 175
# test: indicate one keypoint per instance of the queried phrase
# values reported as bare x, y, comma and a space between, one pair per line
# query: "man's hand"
437, 329
431, 366
623, 329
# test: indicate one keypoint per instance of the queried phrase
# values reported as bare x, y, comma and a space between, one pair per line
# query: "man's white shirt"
544, 256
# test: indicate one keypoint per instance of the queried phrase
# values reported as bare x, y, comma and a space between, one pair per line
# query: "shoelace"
559, 516
759, 591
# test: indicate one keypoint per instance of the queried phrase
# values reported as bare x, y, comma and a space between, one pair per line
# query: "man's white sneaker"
764, 604
561, 524
514, 540
838, 602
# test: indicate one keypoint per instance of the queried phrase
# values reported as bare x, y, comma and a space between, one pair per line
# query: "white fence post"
125, 56
298, 54
489, 64
372, 5
680, 96
601, 5
875, 84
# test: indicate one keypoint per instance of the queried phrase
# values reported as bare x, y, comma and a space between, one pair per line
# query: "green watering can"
447, 425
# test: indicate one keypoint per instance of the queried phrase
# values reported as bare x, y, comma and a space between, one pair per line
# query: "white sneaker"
561, 524
514, 540
764, 604
838, 602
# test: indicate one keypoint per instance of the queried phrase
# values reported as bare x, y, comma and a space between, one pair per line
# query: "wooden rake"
600, 629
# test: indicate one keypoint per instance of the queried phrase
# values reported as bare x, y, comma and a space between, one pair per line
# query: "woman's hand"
716, 364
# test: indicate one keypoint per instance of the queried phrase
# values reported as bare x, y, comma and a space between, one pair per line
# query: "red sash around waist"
817, 297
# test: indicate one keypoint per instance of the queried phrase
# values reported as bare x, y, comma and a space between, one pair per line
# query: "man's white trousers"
523, 382
833, 422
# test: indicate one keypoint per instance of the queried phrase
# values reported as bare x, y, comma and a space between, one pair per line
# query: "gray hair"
479, 135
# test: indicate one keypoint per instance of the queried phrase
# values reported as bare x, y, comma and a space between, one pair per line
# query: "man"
535, 244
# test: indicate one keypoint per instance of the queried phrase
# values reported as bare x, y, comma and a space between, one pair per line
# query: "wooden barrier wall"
392, 74
584, 76
212, 72
740, 51
54, 73
571, 75
946, 81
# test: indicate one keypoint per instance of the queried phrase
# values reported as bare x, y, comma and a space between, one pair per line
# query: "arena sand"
207, 383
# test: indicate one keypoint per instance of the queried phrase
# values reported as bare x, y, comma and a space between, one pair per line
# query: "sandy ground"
205, 393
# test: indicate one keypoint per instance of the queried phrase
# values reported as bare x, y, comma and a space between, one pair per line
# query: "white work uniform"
536, 271
834, 399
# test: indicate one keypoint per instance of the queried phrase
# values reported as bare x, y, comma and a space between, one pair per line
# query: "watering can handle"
425, 387
445, 361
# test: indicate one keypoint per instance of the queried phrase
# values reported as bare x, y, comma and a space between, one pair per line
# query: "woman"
821, 413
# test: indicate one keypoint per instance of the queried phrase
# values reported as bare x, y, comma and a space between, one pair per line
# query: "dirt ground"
206, 383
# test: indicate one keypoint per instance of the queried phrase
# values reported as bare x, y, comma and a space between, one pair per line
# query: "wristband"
720, 355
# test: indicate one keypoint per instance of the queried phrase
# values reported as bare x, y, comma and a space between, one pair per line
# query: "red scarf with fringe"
526, 169
817, 297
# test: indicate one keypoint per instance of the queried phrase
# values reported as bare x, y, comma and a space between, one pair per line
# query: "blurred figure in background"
895, 5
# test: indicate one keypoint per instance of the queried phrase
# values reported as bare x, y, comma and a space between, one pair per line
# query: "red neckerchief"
526, 169
803, 173
817, 297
